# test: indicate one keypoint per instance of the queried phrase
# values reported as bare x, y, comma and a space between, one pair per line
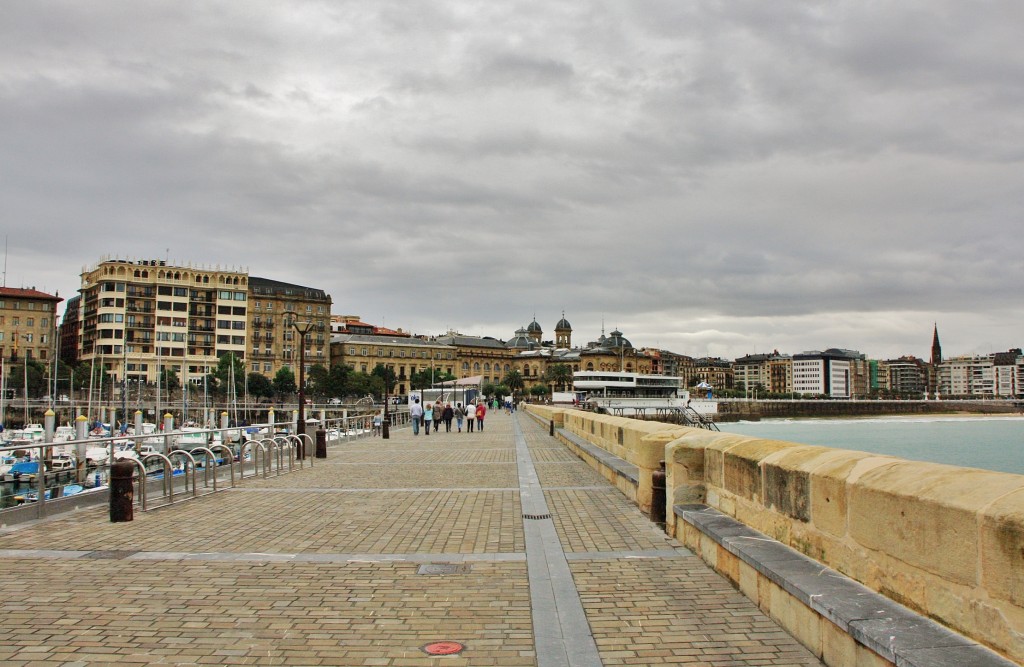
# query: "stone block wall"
944, 541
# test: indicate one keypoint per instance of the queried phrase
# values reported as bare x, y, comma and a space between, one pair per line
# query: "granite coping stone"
893, 631
622, 467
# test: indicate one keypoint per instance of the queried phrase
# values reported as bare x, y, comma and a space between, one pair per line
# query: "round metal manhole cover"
443, 648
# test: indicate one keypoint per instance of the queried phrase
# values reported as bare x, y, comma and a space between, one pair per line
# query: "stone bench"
624, 470
782, 580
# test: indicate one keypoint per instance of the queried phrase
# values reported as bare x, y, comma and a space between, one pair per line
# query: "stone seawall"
741, 410
944, 541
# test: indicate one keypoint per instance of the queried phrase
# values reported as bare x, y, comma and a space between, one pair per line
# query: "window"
30, 321
239, 296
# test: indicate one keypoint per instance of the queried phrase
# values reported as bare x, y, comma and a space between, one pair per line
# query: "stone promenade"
501, 544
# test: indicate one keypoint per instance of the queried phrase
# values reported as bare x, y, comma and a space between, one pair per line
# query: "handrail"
142, 482
231, 464
268, 462
259, 456
168, 472
192, 460
209, 457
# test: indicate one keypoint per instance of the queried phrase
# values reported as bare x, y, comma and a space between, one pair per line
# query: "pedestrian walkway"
497, 547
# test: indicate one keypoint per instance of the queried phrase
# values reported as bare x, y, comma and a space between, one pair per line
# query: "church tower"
534, 331
936, 348
563, 334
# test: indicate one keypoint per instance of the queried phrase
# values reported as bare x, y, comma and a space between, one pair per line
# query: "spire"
936, 347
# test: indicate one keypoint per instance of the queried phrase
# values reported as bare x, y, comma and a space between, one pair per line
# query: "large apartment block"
28, 320
137, 317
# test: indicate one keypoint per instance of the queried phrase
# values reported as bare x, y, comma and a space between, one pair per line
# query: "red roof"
21, 293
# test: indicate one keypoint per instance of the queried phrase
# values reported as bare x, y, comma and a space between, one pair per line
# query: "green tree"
386, 376
338, 381
426, 378
284, 381
230, 368
501, 391
318, 381
260, 385
361, 384
489, 389
538, 390
514, 381
559, 374
169, 380
80, 376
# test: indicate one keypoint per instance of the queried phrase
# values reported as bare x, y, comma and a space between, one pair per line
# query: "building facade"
274, 341
137, 318
28, 324
404, 355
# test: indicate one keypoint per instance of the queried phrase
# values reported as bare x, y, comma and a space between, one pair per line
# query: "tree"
489, 389
514, 381
260, 385
318, 381
169, 380
230, 369
538, 390
80, 376
427, 378
284, 381
386, 376
338, 380
559, 374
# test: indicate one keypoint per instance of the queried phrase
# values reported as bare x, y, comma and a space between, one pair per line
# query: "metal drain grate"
444, 568
109, 555
536, 517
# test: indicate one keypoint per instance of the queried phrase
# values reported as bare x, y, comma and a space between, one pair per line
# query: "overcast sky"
712, 178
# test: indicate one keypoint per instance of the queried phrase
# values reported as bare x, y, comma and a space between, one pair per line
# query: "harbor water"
990, 443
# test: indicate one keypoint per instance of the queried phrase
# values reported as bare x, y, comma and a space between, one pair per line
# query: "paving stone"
320, 566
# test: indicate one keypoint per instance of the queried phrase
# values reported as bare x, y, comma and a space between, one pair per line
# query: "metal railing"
166, 462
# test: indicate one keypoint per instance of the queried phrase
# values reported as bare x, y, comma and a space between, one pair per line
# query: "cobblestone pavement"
371, 555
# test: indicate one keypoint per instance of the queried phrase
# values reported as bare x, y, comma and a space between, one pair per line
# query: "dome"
616, 340
534, 326
563, 324
520, 341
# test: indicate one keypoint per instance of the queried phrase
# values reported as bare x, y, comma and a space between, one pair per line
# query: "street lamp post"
303, 328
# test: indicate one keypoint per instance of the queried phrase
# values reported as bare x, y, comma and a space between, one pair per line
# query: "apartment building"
28, 324
770, 372
137, 317
829, 373
992, 375
273, 338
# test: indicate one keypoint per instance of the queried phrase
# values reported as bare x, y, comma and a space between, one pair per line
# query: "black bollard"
122, 491
658, 499
321, 443
551, 429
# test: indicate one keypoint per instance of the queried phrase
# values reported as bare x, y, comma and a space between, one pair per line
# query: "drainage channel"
561, 632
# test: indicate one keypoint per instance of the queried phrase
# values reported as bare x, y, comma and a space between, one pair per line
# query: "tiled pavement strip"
322, 567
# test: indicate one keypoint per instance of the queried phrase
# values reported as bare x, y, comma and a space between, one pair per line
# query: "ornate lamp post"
303, 328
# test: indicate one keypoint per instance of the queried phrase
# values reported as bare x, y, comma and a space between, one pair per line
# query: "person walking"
428, 418
460, 414
446, 416
470, 417
378, 422
481, 411
416, 414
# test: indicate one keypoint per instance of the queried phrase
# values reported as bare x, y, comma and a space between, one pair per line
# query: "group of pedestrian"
432, 415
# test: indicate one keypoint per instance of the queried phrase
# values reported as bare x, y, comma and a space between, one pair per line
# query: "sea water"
990, 443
